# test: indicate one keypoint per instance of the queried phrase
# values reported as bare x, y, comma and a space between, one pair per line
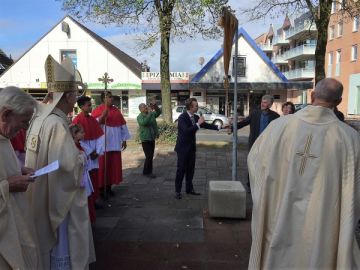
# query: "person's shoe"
178, 195
110, 192
151, 175
99, 205
192, 192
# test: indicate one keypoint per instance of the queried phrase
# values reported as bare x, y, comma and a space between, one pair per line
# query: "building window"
330, 63
333, 7
340, 29
277, 96
354, 52
338, 62
69, 54
356, 23
331, 32
241, 66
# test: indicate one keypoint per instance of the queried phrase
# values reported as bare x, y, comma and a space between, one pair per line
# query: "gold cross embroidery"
305, 154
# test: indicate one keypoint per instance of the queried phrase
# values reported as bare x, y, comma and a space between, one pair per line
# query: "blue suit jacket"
186, 138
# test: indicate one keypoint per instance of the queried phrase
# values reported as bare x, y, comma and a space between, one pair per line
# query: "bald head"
328, 91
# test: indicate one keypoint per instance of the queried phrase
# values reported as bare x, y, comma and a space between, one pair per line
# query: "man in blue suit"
188, 124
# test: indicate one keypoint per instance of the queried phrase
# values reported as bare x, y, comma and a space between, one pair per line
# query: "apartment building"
293, 52
342, 58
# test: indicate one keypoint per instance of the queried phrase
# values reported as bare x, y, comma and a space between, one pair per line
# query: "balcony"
300, 73
303, 52
302, 31
280, 40
266, 47
279, 59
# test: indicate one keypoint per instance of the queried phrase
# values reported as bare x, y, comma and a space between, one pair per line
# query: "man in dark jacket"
188, 124
148, 132
258, 121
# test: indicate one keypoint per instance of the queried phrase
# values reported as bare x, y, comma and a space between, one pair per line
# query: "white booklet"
53, 166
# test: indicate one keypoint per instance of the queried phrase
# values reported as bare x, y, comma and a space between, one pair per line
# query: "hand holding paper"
47, 169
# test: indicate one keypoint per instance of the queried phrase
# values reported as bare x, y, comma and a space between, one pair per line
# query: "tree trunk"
165, 78
320, 51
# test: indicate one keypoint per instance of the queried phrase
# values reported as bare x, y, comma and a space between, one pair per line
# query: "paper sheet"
53, 166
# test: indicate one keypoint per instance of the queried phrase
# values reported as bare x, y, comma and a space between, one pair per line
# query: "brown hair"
188, 102
287, 104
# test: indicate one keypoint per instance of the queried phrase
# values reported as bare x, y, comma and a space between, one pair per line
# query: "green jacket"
148, 129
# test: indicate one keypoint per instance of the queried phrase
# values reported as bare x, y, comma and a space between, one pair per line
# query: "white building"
91, 54
257, 76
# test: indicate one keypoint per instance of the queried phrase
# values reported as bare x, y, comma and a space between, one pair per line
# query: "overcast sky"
24, 22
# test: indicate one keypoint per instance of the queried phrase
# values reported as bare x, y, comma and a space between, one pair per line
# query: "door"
125, 105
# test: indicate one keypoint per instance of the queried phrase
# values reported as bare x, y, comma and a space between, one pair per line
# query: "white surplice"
115, 136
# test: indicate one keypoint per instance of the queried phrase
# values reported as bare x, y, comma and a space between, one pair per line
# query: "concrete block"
227, 199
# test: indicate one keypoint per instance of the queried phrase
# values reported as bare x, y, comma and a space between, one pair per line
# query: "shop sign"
121, 86
175, 77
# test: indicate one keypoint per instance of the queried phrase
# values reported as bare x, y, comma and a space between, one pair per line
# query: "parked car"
210, 117
298, 107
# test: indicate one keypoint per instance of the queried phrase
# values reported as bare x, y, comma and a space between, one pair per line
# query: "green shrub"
167, 133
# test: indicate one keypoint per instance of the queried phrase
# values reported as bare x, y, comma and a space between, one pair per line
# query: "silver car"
210, 117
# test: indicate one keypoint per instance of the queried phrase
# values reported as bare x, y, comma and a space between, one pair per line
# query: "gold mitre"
62, 77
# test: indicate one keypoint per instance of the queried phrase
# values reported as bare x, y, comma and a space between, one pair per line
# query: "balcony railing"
298, 52
300, 73
266, 47
280, 40
279, 59
307, 26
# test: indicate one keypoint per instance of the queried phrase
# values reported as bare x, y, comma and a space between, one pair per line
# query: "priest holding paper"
18, 245
57, 201
305, 178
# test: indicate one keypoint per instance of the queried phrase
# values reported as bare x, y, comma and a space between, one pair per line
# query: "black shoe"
109, 191
150, 175
178, 195
99, 205
192, 192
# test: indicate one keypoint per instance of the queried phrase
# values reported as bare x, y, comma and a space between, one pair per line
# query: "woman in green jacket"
148, 132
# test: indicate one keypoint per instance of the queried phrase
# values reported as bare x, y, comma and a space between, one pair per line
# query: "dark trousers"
149, 148
185, 166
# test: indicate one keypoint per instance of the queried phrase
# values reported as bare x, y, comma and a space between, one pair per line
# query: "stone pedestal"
227, 199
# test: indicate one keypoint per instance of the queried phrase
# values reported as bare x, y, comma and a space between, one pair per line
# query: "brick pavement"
147, 228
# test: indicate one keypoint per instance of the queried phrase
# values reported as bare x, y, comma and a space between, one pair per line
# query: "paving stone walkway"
147, 228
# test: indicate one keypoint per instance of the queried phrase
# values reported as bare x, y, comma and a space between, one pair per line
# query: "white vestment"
58, 196
18, 246
305, 180
89, 146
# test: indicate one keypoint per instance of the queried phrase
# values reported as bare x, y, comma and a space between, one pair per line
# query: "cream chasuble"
58, 195
305, 180
17, 244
